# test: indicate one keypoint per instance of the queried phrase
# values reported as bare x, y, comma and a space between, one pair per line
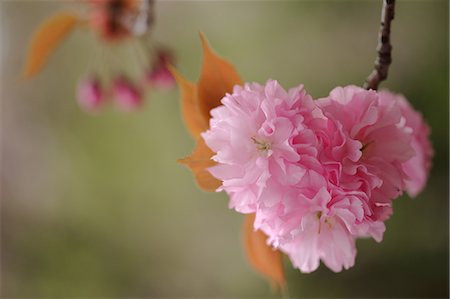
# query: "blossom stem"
384, 48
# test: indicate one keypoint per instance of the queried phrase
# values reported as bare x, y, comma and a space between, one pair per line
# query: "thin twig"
384, 47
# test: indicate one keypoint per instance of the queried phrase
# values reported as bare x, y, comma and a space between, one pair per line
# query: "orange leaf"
218, 77
46, 39
193, 120
261, 256
198, 162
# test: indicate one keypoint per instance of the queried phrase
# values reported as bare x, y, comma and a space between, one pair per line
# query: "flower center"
262, 145
365, 145
329, 221
318, 215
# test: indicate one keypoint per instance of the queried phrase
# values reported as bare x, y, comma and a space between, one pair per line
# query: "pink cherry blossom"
321, 235
316, 220
384, 145
317, 174
253, 135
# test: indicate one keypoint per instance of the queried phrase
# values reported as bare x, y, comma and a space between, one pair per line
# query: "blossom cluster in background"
317, 173
117, 25
122, 22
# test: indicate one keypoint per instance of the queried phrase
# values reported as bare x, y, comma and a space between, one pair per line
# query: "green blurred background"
96, 206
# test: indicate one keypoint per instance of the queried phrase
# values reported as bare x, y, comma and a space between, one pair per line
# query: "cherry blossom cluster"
124, 22
318, 174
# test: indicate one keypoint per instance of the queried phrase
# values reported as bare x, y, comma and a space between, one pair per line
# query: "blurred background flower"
117, 26
98, 207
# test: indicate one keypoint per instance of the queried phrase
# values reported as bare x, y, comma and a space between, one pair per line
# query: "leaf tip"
179, 78
203, 38
205, 44
183, 161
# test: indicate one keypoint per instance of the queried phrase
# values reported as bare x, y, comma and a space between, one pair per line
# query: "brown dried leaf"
46, 39
262, 257
193, 119
218, 77
198, 162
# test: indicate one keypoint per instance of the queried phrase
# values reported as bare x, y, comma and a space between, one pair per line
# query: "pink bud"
159, 75
90, 94
161, 78
127, 95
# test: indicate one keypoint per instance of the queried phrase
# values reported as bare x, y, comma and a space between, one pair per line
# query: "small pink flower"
418, 167
316, 220
322, 234
376, 168
90, 94
159, 75
128, 97
253, 135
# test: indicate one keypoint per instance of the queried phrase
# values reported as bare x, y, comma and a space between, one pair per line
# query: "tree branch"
384, 47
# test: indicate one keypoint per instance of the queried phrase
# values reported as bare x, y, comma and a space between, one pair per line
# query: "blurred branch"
384, 47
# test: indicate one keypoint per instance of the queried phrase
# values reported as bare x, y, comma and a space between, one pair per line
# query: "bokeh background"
96, 206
